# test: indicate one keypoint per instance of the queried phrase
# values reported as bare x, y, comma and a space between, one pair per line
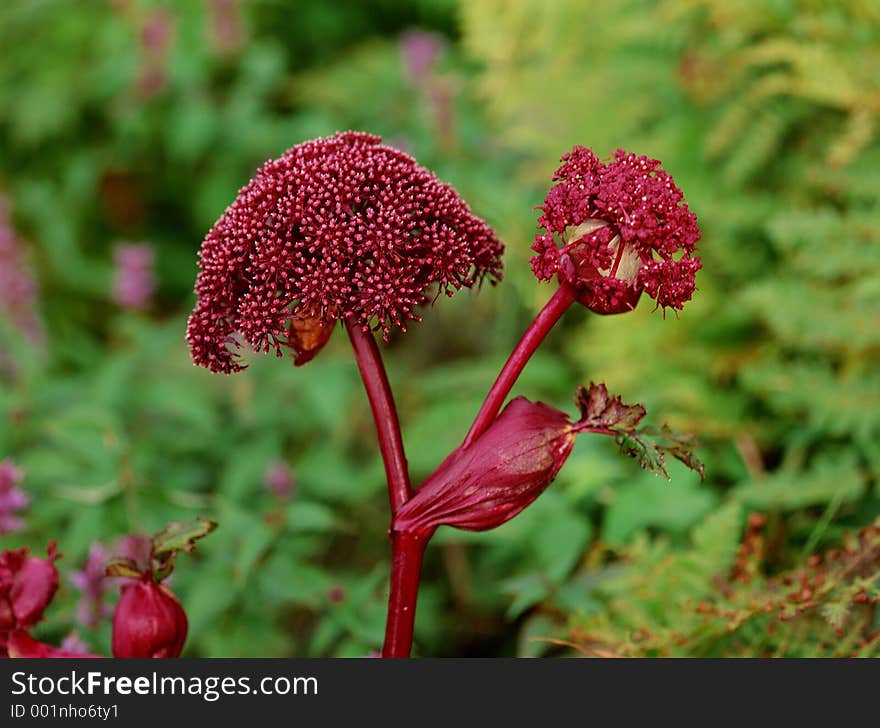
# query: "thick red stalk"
384, 412
406, 566
528, 344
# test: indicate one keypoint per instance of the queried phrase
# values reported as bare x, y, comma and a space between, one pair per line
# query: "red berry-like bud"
148, 622
27, 585
482, 486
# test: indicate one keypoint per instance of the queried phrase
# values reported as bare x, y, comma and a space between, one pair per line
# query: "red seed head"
497, 476
342, 227
624, 228
148, 622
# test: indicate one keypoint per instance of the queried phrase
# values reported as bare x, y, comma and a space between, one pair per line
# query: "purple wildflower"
419, 51
134, 280
156, 40
279, 480
93, 585
74, 644
226, 25
18, 289
12, 498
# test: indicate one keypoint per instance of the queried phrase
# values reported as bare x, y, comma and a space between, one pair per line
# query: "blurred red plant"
148, 621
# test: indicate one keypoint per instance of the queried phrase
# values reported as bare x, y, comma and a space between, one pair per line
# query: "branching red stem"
528, 344
384, 413
407, 549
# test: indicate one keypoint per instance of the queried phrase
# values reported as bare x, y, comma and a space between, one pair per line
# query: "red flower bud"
148, 622
27, 585
489, 482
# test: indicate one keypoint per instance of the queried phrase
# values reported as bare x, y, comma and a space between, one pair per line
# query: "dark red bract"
624, 228
489, 482
335, 228
148, 622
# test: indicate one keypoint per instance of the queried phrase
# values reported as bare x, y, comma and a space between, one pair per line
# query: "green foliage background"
767, 115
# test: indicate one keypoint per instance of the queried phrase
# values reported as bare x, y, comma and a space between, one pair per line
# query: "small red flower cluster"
341, 227
624, 228
148, 620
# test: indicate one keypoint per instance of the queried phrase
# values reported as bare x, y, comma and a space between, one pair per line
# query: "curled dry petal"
307, 336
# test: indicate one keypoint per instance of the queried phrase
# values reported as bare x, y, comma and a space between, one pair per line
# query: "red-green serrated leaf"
599, 409
180, 536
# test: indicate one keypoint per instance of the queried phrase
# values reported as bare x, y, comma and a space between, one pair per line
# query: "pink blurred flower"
134, 280
74, 645
279, 480
12, 498
156, 37
419, 51
93, 585
18, 288
226, 25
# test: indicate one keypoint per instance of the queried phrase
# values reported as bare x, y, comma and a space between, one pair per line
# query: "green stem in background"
375, 380
406, 567
528, 344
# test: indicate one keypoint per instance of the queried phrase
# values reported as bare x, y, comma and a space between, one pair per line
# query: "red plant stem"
375, 380
406, 566
528, 344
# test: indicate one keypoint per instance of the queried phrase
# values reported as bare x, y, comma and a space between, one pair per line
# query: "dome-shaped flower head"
615, 229
342, 227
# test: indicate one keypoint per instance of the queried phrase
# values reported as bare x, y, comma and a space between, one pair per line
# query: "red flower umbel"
623, 227
336, 227
148, 621
482, 486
